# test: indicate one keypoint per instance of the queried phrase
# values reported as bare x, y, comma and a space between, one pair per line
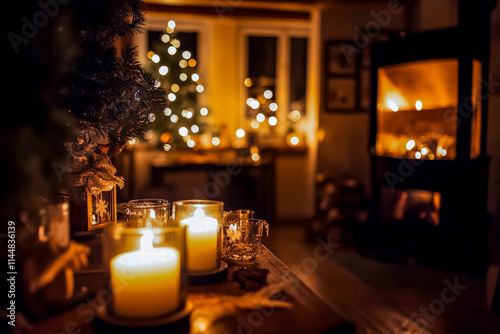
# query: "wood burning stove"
427, 145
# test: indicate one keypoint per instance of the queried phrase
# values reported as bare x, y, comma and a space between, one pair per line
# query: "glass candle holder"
202, 219
242, 213
242, 237
148, 213
146, 268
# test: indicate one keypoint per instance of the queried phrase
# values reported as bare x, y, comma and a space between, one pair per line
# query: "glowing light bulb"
165, 38
418, 155
192, 62
183, 131
150, 54
410, 144
203, 111
155, 58
240, 133
215, 141
195, 128
200, 88
189, 114
195, 77
294, 115
171, 50
247, 82
255, 157
260, 117
418, 105
424, 150
190, 143
273, 106
163, 70
176, 43
171, 97
254, 124
174, 88
167, 111
443, 152
272, 121
183, 63
167, 147
268, 94
171, 24
186, 55
132, 141
174, 118
255, 104
249, 101
294, 140
183, 76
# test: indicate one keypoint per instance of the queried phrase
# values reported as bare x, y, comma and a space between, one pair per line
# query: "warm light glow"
167, 147
183, 131
272, 121
192, 62
155, 58
148, 135
418, 155
171, 97
268, 94
255, 104
294, 115
174, 118
273, 106
186, 55
392, 105
171, 50
171, 24
424, 150
418, 105
410, 144
261, 117
443, 152
249, 101
294, 140
176, 43
195, 77
215, 141
150, 54
255, 157
163, 70
189, 114
183, 64
165, 137
175, 88
183, 76
248, 82
200, 88
195, 128
151, 117
240, 133
254, 124
165, 38
203, 111
169, 30
190, 143
132, 141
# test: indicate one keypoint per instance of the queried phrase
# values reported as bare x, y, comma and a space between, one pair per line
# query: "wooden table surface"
308, 314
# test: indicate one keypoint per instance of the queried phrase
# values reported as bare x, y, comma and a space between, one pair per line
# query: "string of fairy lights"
184, 124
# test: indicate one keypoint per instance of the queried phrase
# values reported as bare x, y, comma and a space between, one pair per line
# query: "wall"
344, 150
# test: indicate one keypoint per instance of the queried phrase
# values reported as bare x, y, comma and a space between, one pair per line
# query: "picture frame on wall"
341, 93
341, 58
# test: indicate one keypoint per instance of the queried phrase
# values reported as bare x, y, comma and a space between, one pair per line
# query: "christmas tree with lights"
183, 123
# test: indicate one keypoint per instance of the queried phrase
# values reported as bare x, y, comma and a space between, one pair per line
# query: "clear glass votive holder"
242, 213
203, 219
242, 237
146, 268
148, 212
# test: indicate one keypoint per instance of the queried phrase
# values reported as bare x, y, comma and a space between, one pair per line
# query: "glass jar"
203, 219
148, 213
146, 268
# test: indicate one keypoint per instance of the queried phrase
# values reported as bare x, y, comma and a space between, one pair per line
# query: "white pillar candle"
201, 241
146, 283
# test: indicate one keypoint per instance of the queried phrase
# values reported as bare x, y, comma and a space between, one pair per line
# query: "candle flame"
152, 214
199, 212
147, 241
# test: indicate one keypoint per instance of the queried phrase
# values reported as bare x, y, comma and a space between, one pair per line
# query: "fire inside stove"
418, 111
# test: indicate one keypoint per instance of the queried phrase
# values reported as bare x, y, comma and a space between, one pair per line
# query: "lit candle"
201, 241
146, 283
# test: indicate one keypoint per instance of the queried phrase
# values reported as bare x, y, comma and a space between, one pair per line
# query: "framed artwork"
341, 93
341, 58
